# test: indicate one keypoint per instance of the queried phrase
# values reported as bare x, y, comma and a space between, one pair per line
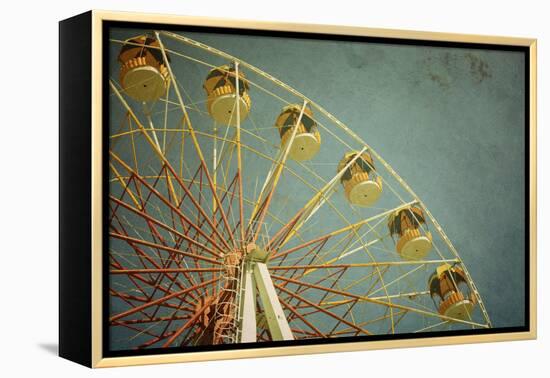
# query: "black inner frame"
106, 25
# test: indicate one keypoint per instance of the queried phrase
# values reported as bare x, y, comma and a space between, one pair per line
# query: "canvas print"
274, 189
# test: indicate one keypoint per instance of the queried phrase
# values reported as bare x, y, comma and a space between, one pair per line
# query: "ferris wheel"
240, 210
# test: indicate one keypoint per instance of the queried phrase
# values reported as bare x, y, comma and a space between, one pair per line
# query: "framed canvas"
235, 189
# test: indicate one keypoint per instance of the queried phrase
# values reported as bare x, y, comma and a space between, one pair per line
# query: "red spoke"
189, 323
154, 340
149, 218
302, 318
283, 232
321, 309
141, 253
152, 320
160, 246
160, 300
129, 297
169, 270
184, 187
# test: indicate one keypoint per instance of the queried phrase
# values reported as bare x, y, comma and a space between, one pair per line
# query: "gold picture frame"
89, 330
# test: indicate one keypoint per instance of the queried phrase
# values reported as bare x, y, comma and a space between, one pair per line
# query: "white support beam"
276, 319
248, 310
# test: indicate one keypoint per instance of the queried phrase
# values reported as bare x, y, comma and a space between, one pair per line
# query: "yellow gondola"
451, 293
143, 74
413, 243
221, 92
361, 183
307, 140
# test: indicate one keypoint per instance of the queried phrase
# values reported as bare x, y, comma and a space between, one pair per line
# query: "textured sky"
449, 120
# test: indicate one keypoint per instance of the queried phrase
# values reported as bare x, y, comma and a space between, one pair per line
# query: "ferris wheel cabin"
307, 139
221, 92
143, 74
361, 183
451, 293
414, 242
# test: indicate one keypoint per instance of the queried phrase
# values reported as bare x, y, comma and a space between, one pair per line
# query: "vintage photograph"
280, 189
